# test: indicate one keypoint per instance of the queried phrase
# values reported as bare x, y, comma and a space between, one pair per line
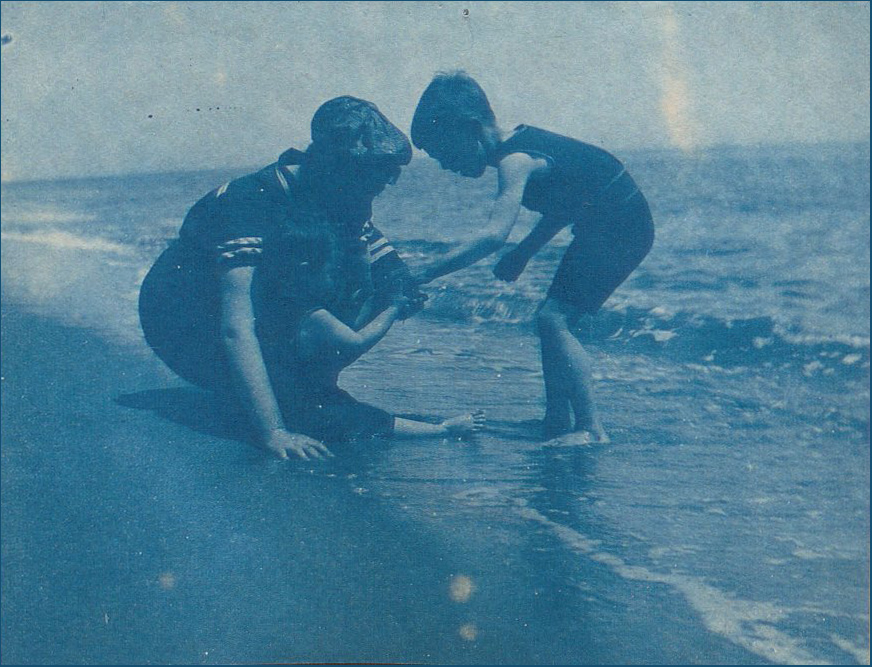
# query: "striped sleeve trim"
376, 242
378, 245
375, 256
283, 182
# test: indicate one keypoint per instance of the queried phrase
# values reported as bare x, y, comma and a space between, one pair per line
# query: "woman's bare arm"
248, 371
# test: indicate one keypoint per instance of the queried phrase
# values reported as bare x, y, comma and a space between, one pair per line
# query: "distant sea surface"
728, 520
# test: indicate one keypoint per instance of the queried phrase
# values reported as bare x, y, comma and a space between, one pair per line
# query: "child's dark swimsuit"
589, 188
179, 303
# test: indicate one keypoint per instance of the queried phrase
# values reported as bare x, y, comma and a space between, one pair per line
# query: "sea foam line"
43, 216
67, 241
745, 623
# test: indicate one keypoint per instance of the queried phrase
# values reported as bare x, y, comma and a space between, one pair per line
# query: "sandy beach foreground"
137, 530
129, 538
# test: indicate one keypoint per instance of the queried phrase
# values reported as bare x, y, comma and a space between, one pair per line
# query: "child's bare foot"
594, 432
574, 439
579, 439
595, 436
464, 425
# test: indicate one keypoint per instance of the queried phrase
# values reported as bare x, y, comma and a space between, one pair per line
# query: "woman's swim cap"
358, 129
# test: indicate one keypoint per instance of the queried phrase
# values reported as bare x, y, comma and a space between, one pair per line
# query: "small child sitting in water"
316, 322
570, 183
197, 306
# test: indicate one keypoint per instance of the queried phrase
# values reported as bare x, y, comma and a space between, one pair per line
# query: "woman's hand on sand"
510, 266
241, 249
280, 442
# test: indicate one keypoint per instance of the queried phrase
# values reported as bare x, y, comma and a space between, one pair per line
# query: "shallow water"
727, 522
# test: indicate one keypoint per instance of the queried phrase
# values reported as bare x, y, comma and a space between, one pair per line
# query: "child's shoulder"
520, 152
554, 148
520, 160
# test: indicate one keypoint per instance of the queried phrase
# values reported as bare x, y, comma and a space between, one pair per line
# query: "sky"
93, 88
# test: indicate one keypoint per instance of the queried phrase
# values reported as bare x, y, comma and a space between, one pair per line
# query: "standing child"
570, 183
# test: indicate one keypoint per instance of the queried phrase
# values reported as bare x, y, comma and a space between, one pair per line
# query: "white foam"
860, 653
747, 623
67, 241
43, 216
80, 281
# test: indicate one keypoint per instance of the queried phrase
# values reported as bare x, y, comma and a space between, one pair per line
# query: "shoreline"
129, 538
136, 533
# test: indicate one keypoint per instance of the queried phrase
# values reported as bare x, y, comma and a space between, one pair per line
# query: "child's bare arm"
248, 371
324, 337
514, 170
512, 264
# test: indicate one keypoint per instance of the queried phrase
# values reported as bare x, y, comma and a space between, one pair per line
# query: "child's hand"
510, 266
414, 305
280, 442
406, 307
405, 295
416, 296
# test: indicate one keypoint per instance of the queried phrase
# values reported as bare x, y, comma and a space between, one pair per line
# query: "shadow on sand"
193, 408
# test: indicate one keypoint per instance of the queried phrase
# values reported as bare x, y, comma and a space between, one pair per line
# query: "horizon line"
420, 156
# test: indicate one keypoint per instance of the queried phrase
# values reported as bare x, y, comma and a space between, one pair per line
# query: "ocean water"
727, 522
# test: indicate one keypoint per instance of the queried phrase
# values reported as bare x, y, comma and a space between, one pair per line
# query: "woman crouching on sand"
198, 309
316, 319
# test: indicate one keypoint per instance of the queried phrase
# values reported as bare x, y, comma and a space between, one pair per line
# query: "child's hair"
306, 263
450, 97
301, 260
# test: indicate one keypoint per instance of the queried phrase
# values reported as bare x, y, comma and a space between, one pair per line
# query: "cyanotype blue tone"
706, 500
726, 522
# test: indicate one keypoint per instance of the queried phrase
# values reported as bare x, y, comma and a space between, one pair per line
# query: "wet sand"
129, 538
138, 530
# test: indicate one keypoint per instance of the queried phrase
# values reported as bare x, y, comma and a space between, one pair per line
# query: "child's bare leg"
558, 418
460, 426
574, 362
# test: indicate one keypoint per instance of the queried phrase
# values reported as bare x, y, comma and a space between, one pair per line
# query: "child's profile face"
460, 152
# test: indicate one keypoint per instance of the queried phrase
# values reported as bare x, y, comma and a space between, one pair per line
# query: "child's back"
579, 174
